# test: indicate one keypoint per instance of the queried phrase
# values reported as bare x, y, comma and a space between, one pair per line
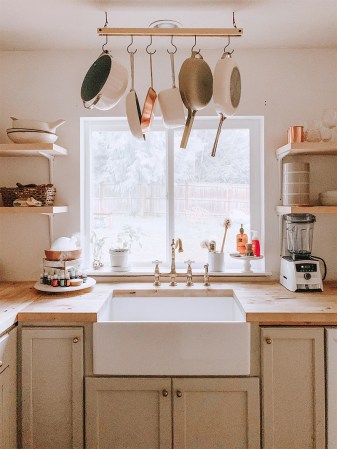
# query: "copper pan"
149, 103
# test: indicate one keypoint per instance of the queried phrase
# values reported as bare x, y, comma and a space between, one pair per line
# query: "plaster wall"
285, 86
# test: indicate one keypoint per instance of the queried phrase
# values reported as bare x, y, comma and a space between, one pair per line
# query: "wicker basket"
44, 193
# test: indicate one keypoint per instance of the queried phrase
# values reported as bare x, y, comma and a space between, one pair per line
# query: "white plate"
242, 256
48, 288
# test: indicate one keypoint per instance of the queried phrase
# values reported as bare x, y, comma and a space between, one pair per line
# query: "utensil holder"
216, 261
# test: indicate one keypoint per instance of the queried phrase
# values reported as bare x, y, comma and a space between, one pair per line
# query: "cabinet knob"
268, 341
76, 340
165, 393
179, 394
1, 362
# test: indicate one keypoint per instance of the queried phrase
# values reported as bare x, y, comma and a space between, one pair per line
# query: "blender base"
301, 275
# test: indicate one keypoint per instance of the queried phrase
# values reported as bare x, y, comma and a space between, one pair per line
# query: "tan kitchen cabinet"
293, 388
124, 413
8, 391
132, 413
52, 388
216, 413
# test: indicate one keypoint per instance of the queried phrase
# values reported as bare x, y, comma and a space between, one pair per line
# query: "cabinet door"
128, 413
216, 413
52, 388
293, 388
8, 392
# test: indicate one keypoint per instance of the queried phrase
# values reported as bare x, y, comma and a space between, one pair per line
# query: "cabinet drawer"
7, 349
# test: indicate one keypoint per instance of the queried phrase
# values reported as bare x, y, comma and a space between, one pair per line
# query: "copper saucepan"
196, 89
149, 103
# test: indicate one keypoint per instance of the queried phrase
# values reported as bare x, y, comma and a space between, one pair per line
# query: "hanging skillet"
105, 82
226, 90
150, 99
196, 88
132, 107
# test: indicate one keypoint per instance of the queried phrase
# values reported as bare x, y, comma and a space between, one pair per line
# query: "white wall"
287, 87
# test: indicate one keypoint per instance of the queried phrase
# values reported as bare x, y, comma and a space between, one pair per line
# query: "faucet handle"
206, 275
156, 273
189, 262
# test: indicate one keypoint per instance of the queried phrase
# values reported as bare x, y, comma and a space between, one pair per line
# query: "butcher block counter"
263, 302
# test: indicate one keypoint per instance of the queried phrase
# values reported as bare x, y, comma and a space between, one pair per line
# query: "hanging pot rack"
175, 32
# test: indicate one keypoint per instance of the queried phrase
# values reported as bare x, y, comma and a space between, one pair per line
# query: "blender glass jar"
299, 228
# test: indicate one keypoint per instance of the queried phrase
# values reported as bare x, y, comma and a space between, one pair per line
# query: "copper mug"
295, 134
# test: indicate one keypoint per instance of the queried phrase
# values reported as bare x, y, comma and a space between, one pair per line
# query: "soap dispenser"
241, 240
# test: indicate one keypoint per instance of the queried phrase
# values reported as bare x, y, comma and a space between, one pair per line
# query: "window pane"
210, 189
129, 193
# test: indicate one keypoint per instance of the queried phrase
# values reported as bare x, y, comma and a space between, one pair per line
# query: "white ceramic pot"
36, 125
226, 91
119, 259
171, 104
216, 261
104, 83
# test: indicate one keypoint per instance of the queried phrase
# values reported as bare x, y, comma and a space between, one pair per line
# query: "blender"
300, 271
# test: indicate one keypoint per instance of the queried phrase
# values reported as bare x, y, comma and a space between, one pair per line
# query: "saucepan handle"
93, 103
188, 127
222, 119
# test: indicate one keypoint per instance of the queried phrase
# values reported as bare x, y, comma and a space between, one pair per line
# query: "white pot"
104, 84
35, 124
119, 259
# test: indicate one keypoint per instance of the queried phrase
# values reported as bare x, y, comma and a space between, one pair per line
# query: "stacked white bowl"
328, 198
33, 131
296, 177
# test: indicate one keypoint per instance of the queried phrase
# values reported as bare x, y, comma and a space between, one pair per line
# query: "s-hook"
224, 50
175, 47
106, 36
127, 48
195, 43
150, 52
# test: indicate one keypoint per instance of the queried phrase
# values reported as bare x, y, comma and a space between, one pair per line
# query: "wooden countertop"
263, 302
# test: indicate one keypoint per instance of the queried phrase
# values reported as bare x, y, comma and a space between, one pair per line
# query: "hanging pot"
226, 90
196, 88
132, 107
104, 83
149, 103
171, 104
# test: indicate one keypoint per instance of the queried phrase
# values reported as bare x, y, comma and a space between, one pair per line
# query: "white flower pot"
119, 259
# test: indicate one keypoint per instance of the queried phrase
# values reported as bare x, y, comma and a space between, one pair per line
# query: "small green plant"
128, 237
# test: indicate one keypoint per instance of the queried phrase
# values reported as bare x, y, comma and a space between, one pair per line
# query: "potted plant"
119, 254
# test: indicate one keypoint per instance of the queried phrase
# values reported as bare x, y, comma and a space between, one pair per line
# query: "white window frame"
255, 124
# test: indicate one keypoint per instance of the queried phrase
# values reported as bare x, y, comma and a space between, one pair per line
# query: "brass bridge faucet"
174, 245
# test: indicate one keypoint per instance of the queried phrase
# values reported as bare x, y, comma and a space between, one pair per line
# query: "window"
149, 192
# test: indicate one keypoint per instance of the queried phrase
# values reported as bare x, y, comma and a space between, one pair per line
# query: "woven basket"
44, 193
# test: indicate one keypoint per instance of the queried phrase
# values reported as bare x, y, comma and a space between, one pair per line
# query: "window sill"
137, 272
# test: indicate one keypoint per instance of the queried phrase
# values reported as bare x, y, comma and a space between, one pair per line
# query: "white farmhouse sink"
151, 333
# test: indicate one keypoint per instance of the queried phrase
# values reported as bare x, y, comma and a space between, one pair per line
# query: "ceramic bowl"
63, 255
18, 135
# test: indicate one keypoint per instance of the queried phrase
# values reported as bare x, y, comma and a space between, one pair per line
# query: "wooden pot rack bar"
175, 32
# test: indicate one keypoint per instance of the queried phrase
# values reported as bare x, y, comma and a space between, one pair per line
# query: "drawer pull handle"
165, 393
268, 341
76, 340
179, 394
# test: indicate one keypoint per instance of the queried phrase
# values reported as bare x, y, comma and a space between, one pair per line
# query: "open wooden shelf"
281, 210
34, 210
307, 148
31, 149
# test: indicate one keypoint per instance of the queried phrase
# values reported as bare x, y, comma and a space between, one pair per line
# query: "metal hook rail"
176, 32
